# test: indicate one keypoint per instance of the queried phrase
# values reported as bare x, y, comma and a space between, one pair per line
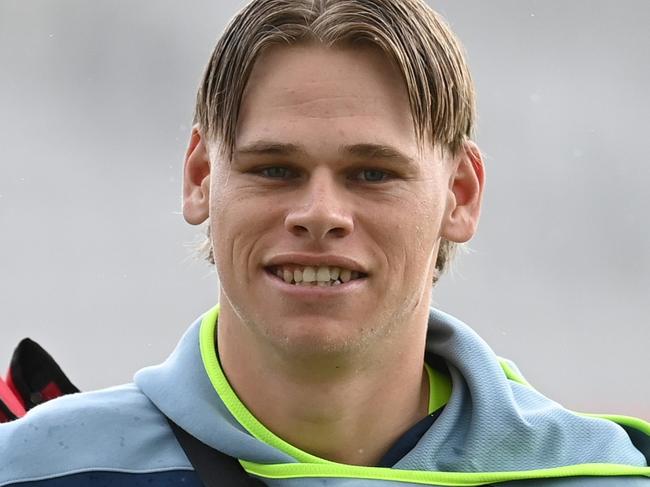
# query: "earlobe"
196, 179
465, 195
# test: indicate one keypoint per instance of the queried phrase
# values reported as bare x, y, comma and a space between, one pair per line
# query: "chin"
313, 337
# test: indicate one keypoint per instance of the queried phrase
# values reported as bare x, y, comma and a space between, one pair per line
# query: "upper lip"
316, 260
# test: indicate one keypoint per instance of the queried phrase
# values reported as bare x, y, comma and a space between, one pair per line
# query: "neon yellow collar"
439, 392
311, 466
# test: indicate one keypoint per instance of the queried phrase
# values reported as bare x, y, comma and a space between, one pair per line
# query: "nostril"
338, 232
318, 224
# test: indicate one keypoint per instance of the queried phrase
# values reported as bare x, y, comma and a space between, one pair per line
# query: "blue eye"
276, 172
373, 175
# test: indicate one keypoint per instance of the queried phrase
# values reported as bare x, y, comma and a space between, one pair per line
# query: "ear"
196, 179
465, 194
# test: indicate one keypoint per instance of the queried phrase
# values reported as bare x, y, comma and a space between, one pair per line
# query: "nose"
320, 210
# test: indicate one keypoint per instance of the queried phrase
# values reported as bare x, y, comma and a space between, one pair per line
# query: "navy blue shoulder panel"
172, 478
580, 482
640, 440
188, 478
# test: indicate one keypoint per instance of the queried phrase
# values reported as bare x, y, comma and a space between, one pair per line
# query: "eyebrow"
262, 147
368, 151
377, 151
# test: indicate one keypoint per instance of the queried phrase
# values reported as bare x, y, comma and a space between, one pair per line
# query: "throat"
355, 429
352, 414
352, 419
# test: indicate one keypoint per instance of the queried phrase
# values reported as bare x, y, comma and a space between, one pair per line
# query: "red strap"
10, 400
51, 391
12, 388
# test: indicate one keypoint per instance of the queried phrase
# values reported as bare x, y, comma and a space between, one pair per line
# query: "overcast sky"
96, 101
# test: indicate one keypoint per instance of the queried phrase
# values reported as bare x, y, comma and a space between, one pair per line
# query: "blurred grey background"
96, 262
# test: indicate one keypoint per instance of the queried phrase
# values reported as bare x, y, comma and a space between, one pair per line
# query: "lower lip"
315, 292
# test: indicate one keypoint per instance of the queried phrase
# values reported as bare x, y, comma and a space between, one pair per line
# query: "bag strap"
214, 468
10, 406
34, 375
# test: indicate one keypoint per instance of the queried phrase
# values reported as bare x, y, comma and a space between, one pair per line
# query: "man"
332, 158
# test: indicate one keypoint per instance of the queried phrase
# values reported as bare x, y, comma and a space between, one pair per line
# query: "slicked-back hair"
412, 36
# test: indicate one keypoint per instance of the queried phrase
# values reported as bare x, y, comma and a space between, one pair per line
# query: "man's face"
327, 180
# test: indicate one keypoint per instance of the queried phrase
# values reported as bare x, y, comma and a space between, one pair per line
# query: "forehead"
338, 91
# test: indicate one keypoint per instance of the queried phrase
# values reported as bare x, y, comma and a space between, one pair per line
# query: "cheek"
241, 230
428, 213
230, 226
405, 235
417, 226
418, 236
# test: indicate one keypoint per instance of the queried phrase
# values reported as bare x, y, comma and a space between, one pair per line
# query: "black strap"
214, 468
36, 375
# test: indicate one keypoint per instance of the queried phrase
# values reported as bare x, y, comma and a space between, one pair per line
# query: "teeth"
287, 276
309, 274
312, 275
346, 275
297, 275
323, 274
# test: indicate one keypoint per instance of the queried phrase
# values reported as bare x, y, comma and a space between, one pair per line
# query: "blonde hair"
416, 39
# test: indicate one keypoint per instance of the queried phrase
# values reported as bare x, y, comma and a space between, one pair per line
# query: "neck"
344, 409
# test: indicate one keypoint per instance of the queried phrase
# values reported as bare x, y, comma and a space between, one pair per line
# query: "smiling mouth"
322, 276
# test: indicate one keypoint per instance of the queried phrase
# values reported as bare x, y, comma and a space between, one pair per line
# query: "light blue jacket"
494, 429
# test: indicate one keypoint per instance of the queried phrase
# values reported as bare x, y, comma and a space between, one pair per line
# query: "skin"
320, 371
